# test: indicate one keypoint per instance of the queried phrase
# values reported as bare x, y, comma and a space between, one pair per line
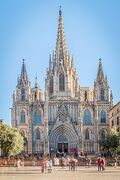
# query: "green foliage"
11, 141
112, 143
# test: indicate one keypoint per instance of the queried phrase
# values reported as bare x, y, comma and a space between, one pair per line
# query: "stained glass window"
22, 117
103, 116
87, 117
37, 117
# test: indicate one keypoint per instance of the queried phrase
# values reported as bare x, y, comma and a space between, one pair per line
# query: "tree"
112, 143
11, 141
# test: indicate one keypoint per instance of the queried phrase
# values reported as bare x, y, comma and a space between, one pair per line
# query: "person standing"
99, 163
42, 164
49, 165
115, 162
103, 163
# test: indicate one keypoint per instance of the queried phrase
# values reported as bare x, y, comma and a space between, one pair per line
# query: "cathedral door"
63, 147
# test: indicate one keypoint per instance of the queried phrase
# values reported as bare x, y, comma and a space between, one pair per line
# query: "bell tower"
101, 88
20, 109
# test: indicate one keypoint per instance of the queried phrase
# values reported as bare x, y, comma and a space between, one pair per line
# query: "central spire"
61, 50
100, 74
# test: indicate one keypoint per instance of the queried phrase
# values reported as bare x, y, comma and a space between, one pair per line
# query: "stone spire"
23, 76
100, 75
111, 97
61, 50
36, 82
72, 62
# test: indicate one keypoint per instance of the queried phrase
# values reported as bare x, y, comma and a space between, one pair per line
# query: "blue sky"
28, 29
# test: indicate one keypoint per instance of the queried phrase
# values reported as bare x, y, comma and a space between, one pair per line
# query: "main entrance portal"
63, 147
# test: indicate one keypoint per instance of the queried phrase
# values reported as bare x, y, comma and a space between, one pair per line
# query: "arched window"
51, 84
22, 117
35, 96
85, 95
102, 95
103, 116
118, 120
22, 94
87, 117
37, 134
118, 129
22, 132
37, 117
102, 135
87, 135
61, 82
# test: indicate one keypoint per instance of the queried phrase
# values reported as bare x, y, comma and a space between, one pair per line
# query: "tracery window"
61, 82
87, 117
103, 116
22, 117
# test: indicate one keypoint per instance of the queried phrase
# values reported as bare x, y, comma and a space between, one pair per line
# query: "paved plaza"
82, 173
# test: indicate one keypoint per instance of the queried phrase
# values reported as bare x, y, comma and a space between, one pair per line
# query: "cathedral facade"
71, 118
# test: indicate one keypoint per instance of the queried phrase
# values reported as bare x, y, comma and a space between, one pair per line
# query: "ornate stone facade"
71, 118
114, 117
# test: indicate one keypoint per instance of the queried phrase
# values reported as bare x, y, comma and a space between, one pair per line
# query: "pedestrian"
42, 164
49, 165
62, 161
88, 161
99, 163
103, 162
18, 162
115, 162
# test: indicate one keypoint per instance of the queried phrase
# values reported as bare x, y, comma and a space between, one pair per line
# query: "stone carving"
62, 113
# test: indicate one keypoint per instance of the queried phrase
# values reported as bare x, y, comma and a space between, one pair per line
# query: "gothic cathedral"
71, 118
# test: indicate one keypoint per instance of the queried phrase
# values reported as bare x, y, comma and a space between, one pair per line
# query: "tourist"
49, 165
88, 159
42, 164
103, 162
18, 163
62, 161
115, 162
99, 163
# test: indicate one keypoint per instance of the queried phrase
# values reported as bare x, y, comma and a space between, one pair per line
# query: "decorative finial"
100, 59
23, 61
36, 82
60, 11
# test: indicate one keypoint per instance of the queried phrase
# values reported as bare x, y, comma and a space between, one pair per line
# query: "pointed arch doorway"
62, 143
